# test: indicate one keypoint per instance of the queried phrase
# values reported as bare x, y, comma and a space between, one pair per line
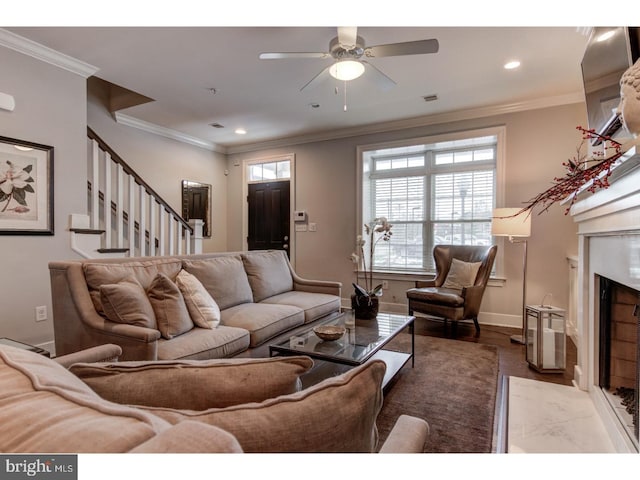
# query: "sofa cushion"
315, 305
143, 271
194, 384
449, 297
203, 309
223, 277
204, 343
45, 408
336, 415
127, 302
191, 437
262, 321
169, 307
268, 273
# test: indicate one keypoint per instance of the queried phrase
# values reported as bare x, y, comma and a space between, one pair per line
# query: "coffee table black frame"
362, 341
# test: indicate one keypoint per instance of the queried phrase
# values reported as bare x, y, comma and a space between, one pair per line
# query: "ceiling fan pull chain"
345, 96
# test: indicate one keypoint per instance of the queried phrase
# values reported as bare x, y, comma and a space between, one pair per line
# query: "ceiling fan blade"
380, 79
315, 81
280, 55
403, 48
347, 37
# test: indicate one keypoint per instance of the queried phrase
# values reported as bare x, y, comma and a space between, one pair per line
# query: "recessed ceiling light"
511, 65
240, 131
605, 36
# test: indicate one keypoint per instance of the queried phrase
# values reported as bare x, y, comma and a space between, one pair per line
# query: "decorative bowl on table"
329, 333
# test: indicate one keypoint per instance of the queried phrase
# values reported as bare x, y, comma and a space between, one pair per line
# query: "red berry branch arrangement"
581, 171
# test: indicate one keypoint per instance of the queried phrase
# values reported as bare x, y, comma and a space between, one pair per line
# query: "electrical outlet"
41, 313
385, 285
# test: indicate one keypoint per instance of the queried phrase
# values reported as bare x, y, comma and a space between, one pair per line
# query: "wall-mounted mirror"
196, 203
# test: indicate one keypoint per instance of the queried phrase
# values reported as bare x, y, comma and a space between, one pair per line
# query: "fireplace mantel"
609, 245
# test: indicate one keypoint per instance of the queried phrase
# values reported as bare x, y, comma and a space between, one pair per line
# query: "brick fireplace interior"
619, 330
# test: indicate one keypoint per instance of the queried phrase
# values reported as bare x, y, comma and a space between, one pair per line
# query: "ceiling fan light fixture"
346, 70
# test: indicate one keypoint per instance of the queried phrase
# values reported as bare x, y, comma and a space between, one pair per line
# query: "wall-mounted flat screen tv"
610, 51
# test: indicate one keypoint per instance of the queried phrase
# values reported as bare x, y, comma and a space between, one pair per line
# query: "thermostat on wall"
299, 216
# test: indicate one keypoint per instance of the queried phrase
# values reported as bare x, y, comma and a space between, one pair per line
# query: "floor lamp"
508, 222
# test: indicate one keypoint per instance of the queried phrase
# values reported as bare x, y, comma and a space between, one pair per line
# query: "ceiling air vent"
216, 125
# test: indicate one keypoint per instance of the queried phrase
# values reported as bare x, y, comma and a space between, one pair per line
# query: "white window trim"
498, 131
291, 157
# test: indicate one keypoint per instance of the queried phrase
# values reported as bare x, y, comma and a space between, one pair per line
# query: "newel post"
196, 239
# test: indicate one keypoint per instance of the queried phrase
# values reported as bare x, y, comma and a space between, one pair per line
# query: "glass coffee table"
362, 340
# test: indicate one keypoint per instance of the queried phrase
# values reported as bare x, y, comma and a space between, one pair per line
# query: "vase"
365, 307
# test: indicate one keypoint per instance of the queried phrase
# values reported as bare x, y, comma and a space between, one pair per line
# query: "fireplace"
618, 353
609, 267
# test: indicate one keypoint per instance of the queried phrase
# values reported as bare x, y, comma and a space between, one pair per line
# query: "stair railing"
134, 218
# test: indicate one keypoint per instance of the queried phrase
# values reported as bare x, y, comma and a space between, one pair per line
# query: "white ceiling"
176, 66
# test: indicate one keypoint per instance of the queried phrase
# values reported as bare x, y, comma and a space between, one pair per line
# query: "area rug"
453, 386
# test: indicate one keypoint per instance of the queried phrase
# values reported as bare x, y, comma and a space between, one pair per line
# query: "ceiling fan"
347, 49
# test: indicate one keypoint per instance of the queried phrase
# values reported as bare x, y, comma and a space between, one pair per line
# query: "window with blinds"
432, 193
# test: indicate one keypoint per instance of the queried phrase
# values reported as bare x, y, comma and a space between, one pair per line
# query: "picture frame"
196, 203
26, 188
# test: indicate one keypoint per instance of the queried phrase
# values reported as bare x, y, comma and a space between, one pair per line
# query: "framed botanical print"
26, 188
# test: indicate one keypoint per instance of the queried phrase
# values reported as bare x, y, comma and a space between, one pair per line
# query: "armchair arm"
101, 353
408, 435
472, 299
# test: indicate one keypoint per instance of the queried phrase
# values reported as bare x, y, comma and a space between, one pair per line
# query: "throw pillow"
99, 273
127, 302
203, 309
169, 307
336, 415
194, 384
461, 274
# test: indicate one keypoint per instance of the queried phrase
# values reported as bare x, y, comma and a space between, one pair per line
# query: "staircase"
126, 217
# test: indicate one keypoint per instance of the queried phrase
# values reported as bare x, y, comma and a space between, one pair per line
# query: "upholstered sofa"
214, 305
71, 404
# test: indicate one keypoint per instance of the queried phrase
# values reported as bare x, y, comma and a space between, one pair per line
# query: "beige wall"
51, 109
163, 163
537, 142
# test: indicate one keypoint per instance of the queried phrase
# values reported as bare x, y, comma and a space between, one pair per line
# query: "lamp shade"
506, 222
346, 69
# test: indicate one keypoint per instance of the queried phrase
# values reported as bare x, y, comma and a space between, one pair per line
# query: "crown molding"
33, 49
435, 119
129, 121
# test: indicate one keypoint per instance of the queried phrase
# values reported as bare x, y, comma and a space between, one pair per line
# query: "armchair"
455, 294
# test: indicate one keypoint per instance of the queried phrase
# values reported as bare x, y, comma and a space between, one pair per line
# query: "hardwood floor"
512, 355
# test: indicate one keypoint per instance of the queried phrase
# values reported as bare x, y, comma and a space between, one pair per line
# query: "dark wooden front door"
269, 216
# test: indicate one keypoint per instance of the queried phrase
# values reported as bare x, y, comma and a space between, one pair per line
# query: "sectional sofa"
197, 307
86, 403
